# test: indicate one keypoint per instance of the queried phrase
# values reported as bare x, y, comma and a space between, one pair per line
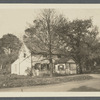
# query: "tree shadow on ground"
84, 89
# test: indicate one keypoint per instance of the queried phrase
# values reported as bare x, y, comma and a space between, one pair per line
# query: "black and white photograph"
49, 48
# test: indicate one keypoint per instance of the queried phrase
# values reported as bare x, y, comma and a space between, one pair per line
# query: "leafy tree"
41, 37
52, 33
9, 48
81, 39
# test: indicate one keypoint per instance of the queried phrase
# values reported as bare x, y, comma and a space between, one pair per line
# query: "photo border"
51, 1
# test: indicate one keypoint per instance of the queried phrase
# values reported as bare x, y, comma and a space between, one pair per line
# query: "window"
61, 67
24, 55
45, 66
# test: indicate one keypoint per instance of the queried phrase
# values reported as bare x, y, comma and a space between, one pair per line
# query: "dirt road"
85, 85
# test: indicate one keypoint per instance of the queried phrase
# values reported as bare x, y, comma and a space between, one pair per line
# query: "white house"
23, 62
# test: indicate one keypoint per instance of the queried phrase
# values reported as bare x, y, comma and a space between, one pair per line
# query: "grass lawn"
21, 81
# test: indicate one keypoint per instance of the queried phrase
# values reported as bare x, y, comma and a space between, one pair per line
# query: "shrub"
28, 71
4, 72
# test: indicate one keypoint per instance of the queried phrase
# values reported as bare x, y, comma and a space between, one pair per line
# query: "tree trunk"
50, 53
51, 68
81, 71
80, 68
31, 72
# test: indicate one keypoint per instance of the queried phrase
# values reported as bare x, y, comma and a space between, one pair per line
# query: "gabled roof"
35, 50
25, 49
70, 61
64, 60
61, 60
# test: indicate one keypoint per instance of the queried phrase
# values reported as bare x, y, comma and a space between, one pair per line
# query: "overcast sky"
14, 20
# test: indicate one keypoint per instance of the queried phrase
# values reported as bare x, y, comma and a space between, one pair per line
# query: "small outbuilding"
65, 66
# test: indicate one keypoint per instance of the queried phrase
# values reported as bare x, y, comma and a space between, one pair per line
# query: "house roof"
70, 61
64, 60
24, 48
61, 60
36, 50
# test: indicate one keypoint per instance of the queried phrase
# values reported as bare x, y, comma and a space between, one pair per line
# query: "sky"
15, 19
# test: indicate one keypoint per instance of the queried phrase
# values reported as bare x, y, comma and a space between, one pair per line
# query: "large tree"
42, 37
9, 48
82, 38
